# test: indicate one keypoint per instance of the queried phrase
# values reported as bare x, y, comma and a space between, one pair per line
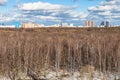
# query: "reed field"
36, 52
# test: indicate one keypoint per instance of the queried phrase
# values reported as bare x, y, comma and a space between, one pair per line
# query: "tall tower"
86, 23
107, 24
92, 24
89, 23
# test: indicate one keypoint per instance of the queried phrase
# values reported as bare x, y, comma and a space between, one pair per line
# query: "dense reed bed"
37, 50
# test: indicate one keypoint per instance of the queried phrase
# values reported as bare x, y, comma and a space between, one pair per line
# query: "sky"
51, 12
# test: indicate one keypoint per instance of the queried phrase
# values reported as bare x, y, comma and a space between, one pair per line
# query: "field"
36, 52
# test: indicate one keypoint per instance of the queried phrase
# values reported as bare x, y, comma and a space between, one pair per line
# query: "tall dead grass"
26, 51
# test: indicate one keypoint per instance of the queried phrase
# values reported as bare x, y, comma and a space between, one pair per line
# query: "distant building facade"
17, 24
89, 23
28, 25
31, 25
64, 25
102, 24
105, 24
7, 26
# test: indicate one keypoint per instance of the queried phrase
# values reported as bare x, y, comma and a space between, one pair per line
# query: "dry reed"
35, 50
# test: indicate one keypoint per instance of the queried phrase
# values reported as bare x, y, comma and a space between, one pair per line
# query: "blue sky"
55, 11
82, 5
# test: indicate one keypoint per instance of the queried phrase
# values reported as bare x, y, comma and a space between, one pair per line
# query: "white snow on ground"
4, 78
64, 75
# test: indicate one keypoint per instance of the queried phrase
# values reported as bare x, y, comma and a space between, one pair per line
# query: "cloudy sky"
55, 11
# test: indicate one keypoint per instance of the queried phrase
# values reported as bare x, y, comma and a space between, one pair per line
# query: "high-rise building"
107, 24
102, 24
86, 23
92, 24
89, 23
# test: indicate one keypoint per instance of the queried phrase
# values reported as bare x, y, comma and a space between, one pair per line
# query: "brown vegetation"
35, 50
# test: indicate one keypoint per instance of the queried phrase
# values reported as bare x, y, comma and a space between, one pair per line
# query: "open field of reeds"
36, 52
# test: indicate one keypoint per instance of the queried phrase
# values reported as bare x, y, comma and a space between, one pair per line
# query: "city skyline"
53, 11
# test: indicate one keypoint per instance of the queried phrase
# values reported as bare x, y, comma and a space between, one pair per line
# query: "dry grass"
35, 50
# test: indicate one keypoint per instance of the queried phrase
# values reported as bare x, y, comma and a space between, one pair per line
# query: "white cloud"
104, 6
48, 11
46, 17
105, 13
45, 12
41, 6
8, 17
2, 2
109, 9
